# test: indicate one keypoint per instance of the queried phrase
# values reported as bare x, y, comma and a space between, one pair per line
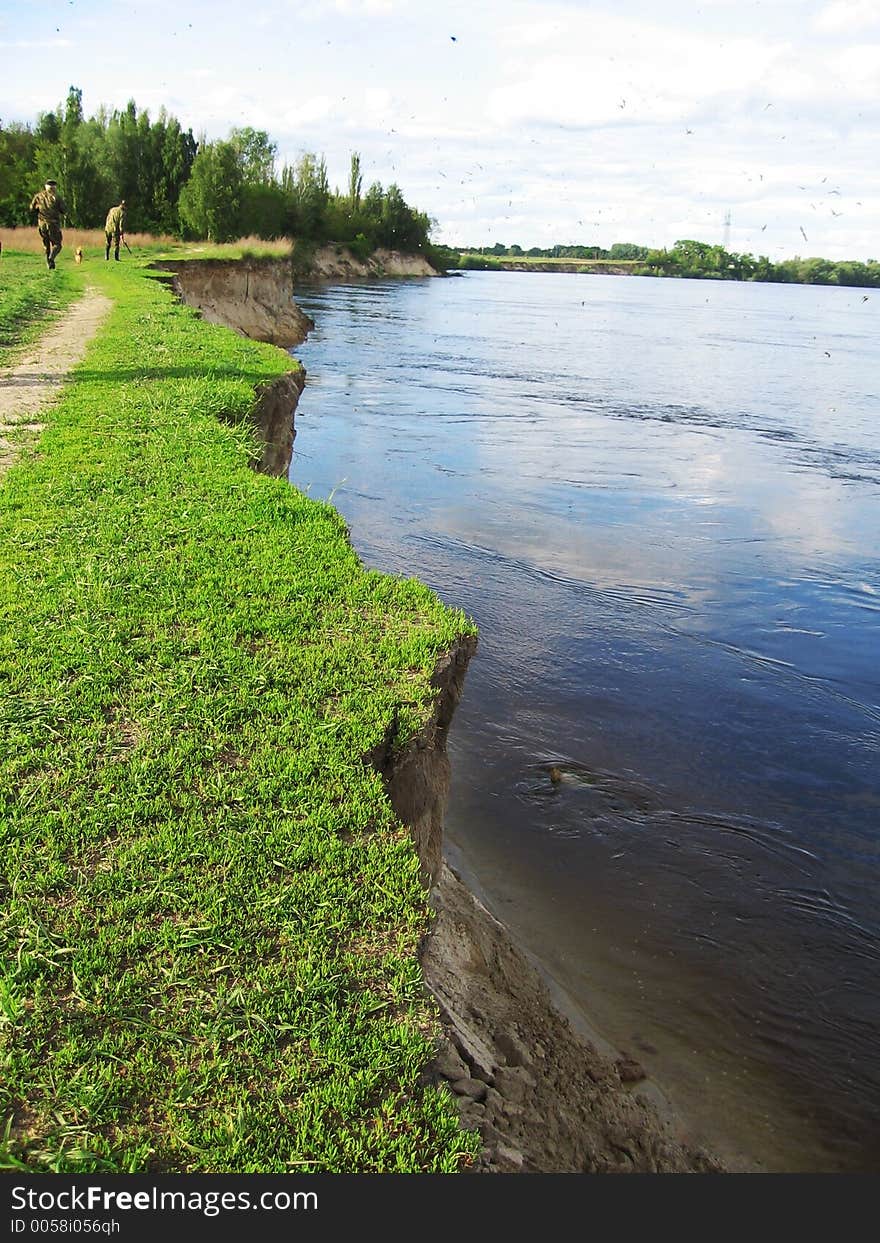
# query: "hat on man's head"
51, 182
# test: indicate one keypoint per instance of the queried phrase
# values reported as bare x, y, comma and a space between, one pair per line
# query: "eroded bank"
543, 1096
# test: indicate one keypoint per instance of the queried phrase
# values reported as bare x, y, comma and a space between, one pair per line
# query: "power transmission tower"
725, 239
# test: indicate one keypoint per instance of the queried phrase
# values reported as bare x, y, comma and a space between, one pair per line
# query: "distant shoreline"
611, 267
686, 261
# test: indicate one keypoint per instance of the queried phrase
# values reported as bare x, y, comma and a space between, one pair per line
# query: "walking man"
114, 229
50, 207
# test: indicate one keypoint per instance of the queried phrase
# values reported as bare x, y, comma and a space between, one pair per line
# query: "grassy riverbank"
210, 914
28, 300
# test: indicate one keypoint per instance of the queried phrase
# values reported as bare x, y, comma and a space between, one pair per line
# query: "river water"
660, 501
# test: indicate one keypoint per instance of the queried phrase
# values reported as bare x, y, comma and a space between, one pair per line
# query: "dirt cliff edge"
253, 297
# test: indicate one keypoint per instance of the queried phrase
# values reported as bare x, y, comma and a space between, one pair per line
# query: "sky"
518, 121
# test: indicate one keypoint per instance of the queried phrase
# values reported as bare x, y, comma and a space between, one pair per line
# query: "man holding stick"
114, 229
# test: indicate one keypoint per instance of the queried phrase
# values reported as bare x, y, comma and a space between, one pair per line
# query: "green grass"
209, 914
30, 296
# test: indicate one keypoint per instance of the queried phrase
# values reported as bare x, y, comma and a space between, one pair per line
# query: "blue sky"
519, 121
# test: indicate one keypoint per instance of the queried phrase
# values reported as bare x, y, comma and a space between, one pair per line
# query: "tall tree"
78, 173
311, 193
256, 155
355, 181
17, 152
210, 201
122, 163
178, 151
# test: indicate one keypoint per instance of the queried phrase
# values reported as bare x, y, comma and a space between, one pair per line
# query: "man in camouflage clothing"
114, 229
50, 207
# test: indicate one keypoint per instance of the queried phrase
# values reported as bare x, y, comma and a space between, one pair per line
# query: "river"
660, 501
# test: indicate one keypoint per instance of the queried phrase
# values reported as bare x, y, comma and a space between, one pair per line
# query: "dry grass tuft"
28, 240
278, 246
253, 247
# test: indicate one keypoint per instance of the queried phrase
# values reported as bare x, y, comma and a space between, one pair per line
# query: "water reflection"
659, 501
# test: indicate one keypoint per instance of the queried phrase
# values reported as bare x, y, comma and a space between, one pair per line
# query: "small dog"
78, 254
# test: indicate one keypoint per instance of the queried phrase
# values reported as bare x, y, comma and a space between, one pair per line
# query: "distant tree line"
174, 184
96, 162
620, 250
698, 260
705, 262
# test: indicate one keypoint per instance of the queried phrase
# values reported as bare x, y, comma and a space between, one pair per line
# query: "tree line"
620, 250
687, 258
703, 261
175, 184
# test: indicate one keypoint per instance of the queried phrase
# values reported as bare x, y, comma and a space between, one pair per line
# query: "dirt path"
35, 381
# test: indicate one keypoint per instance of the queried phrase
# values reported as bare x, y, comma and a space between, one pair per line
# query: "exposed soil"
544, 1099
331, 263
273, 417
33, 383
253, 297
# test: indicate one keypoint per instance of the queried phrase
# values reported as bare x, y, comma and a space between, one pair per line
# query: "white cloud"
859, 68
533, 34
601, 69
35, 43
372, 8
376, 100
308, 111
847, 16
318, 10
